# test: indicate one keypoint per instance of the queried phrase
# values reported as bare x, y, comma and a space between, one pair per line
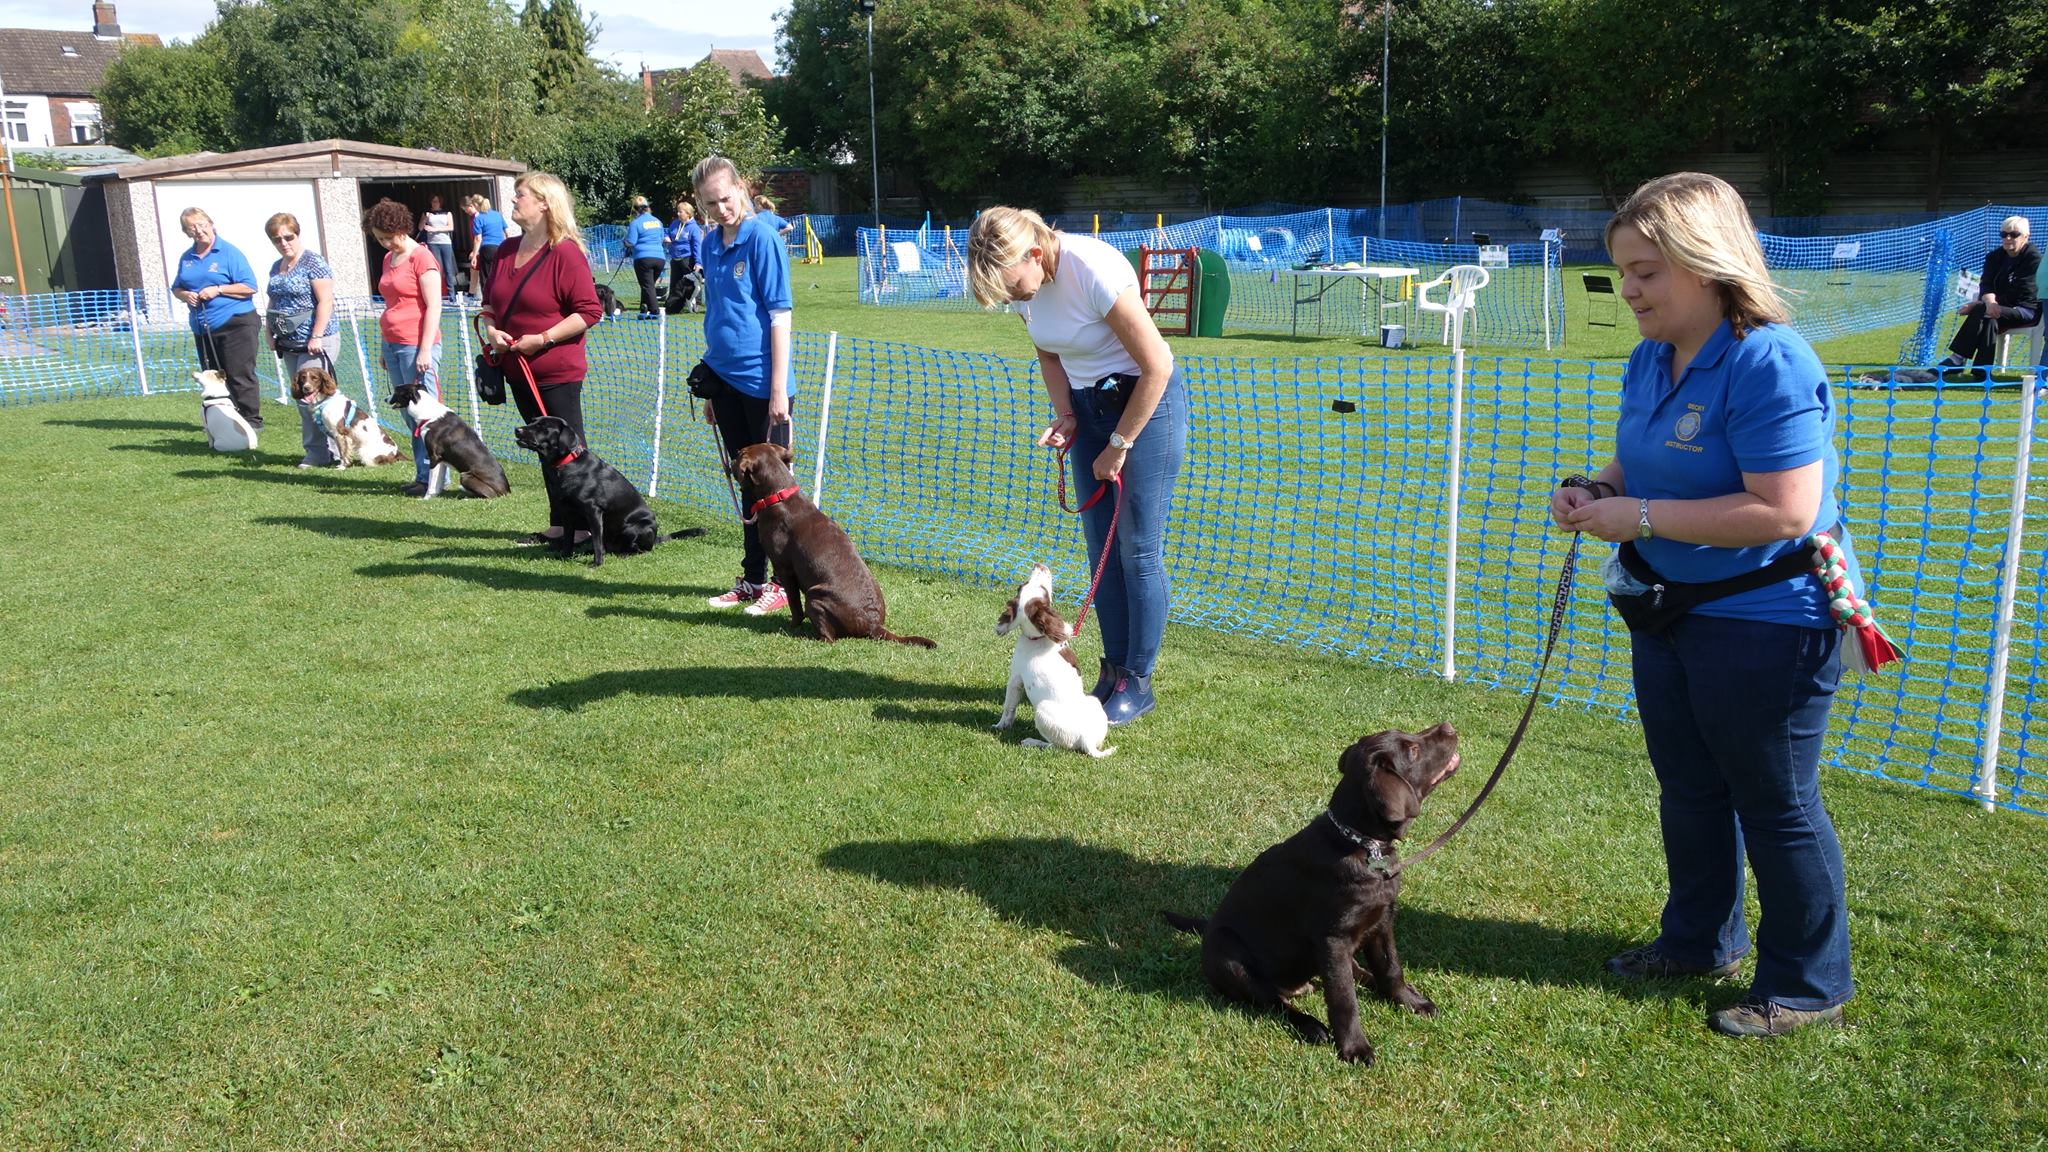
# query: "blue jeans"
1733, 713
1130, 607
401, 363
444, 255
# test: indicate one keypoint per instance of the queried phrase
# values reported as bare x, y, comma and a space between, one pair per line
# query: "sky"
670, 35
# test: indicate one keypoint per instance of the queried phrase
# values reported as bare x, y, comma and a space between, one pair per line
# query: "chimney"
104, 24
646, 88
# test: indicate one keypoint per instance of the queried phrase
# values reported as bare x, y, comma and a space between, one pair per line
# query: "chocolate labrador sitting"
1307, 905
813, 558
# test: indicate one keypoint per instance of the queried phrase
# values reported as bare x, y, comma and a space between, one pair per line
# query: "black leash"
1557, 606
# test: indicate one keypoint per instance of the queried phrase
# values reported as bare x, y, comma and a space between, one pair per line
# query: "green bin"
1212, 289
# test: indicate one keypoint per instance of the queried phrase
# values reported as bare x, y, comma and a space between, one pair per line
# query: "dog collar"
754, 509
1379, 853
420, 429
567, 460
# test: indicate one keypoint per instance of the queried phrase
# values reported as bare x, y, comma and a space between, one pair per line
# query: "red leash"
1108, 541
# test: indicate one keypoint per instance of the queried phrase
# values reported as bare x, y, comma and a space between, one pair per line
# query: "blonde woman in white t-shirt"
1118, 405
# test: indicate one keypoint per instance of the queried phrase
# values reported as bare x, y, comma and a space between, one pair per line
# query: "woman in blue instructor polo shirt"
1724, 463
216, 281
747, 318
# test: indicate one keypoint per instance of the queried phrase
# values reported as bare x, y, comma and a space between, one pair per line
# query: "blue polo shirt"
742, 284
222, 265
685, 239
644, 239
488, 228
1759, 404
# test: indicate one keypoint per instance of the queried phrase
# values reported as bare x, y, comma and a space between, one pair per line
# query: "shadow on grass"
194, 446
1109, 903
109, 425
368, 528
553, 577
747, 683
319, 479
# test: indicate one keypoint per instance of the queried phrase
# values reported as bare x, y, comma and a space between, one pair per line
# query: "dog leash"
1108, 540
1557, 606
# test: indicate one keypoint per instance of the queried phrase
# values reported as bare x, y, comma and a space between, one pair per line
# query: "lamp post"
867, 8
1386, 58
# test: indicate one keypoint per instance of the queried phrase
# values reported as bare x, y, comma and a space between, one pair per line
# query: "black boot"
1105, 681
1129, 698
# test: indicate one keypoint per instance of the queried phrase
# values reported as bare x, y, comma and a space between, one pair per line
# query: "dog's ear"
1047, 621
1008, 618
787, 456
326, 381
1373, 794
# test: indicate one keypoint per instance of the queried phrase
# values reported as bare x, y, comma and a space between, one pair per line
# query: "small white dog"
226, 431
356, 431
1043, 670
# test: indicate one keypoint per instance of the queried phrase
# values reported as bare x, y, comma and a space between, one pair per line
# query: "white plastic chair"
2030, 342
1464, 281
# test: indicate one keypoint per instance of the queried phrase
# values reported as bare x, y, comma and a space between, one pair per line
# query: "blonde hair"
764, 203
1001, 237
2021, 224
1699, 224
561, 210
186, 217
711, 166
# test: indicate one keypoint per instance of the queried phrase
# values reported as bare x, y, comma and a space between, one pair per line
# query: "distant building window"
85, 122
14, 119
70, 53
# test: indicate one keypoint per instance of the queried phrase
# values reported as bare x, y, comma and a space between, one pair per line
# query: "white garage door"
239, 209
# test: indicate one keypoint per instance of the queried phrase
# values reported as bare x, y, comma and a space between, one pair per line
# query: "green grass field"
333, 821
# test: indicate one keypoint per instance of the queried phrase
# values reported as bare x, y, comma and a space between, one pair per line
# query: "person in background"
748, 313
411, 324
646, 246
438, 226
1724, 465
301, 284
1118, 404
487, 232
685, 244
538, 307
765, 209
215, 280
2008, 296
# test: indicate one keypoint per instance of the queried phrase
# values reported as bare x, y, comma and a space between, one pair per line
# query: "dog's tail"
918, 641
685, 534
1192, 925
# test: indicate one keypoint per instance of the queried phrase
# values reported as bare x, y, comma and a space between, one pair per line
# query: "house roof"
319, 157
741, 64
39, 62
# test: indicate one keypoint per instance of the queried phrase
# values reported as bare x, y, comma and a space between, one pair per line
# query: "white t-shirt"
439, 227
1066, 317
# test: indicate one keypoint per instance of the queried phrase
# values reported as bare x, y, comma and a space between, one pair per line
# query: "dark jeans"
444, 255
231, 351
682, 287
743, 422
1977, 338
1132, 601
486, 259
564, 400
1733, 713
647, 270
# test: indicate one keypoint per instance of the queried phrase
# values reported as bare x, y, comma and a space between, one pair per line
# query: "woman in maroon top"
537, 304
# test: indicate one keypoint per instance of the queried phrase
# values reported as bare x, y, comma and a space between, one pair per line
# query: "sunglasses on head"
2011, 235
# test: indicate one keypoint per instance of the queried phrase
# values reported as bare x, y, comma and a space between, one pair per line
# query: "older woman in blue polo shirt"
217, 282
1725, 462
747, 317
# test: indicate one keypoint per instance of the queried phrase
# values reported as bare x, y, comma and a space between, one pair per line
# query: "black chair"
1600, 290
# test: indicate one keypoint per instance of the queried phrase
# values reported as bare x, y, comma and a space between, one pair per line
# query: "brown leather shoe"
1755, 1016
1650, 961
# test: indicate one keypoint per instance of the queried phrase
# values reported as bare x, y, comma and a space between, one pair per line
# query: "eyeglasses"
281, 237
2012, 235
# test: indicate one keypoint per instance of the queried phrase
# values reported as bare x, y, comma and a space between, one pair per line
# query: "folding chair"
1600, 290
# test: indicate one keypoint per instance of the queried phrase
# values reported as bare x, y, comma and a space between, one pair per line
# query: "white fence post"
135, 338
476, 416
660, 398
824, 419
1454, 498
369, 392
2008, 580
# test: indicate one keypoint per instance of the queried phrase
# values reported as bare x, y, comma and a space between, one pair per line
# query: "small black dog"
1308, 904
450, 441
613, 511
608, 300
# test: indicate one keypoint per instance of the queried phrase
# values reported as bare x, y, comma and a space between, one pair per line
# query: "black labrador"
611, 509
1306, 906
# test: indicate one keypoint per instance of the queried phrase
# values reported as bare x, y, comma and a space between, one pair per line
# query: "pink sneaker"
742, 593
771, 599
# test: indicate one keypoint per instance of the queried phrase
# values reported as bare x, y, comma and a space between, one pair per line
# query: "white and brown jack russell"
1043, 671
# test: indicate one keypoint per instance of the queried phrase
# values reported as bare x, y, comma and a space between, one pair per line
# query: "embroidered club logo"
739, 270
1688, 426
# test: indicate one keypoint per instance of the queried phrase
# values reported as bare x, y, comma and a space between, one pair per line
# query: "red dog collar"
567, 459
420, 429
754, 509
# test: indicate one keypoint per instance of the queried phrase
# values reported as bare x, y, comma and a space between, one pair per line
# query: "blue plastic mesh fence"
1338, 544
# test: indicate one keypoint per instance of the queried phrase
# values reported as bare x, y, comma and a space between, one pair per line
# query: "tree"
167, 100
313, 69
478, 81
563, 69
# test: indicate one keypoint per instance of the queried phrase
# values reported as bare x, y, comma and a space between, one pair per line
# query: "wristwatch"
1643, 529
1117, 441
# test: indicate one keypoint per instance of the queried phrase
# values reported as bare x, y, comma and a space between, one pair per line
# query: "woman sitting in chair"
2007, 297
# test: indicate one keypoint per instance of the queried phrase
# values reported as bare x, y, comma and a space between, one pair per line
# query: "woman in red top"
537, 304
411, 324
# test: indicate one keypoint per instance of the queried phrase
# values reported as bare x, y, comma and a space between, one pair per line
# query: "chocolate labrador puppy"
1308, 904
612, 510
813, 558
